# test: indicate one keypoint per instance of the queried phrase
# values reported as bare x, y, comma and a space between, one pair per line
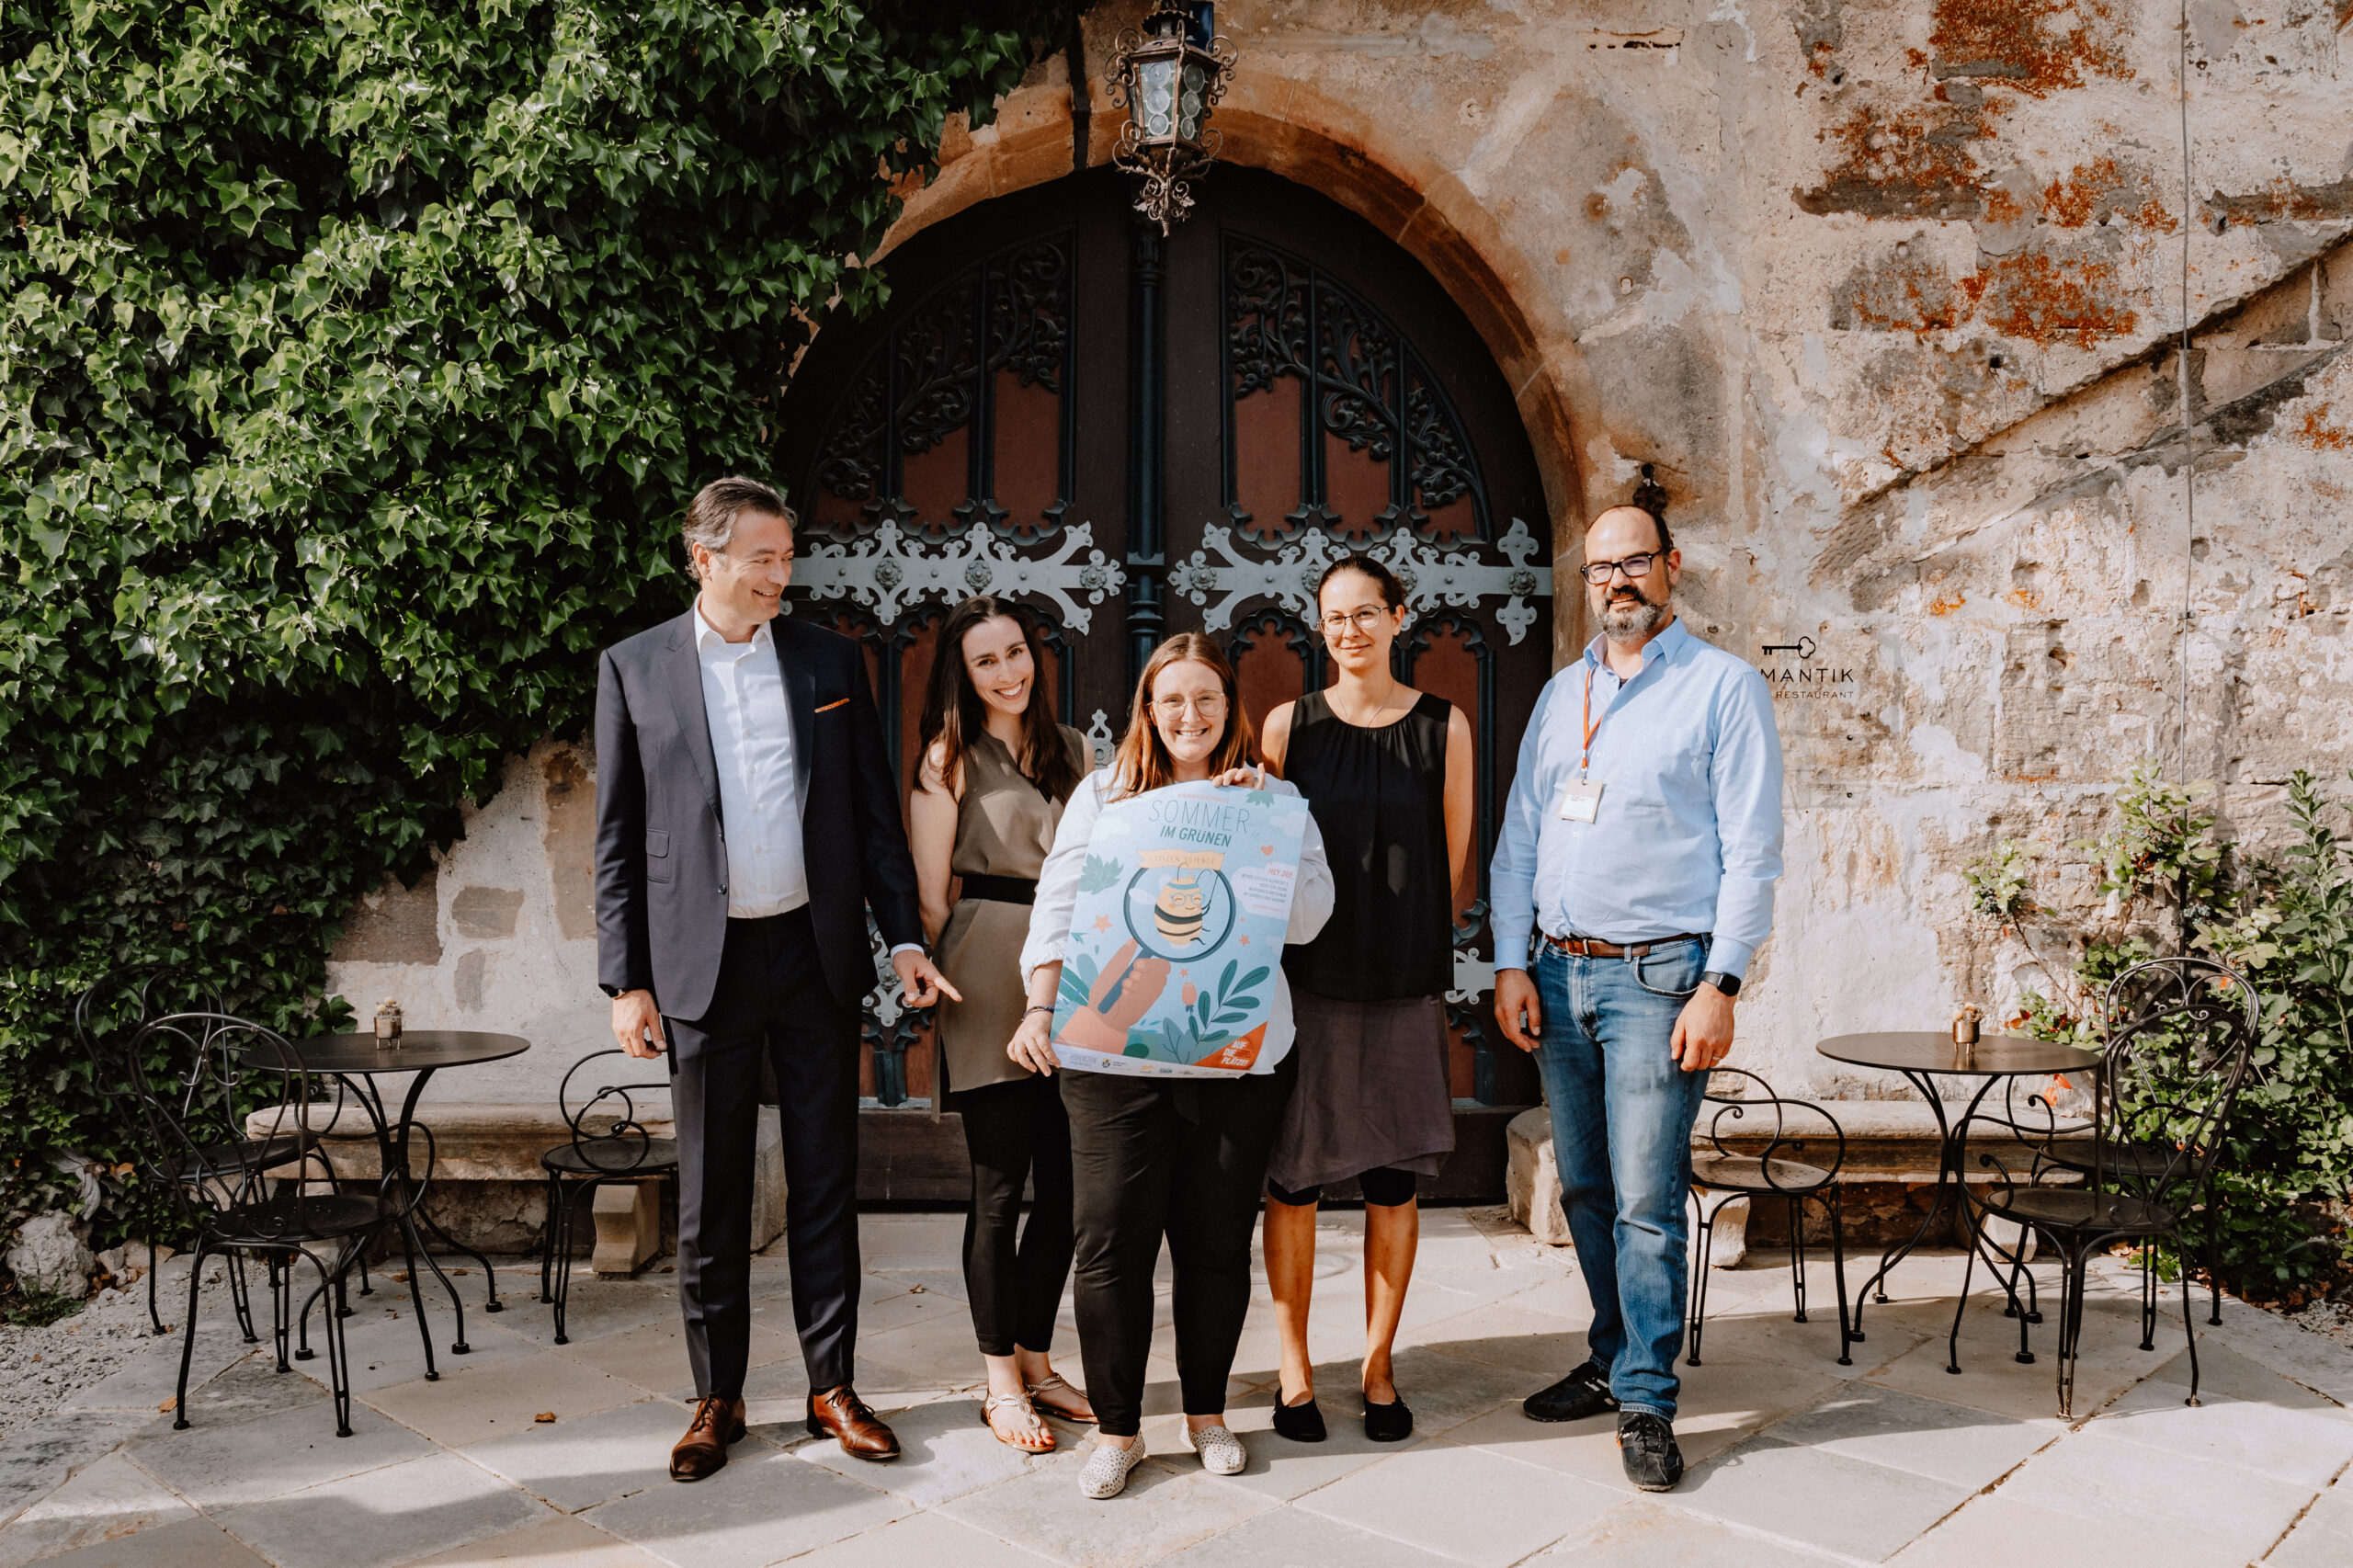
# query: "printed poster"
1176, 939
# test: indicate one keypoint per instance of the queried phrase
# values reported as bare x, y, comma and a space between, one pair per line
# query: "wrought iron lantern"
1168, 76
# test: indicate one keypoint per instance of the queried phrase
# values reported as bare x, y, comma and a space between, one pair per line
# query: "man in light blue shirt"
1638, 850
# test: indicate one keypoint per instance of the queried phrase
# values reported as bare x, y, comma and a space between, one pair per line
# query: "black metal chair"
1725, 1173
218, 1173
108, 1015
607, 1147
2181, 1033
2129, 995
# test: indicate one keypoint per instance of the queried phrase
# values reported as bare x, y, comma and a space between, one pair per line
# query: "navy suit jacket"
662, 848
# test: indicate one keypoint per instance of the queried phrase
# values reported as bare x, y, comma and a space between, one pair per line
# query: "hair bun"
1650, 495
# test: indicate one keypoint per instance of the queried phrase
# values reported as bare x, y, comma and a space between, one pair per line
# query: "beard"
1637, 617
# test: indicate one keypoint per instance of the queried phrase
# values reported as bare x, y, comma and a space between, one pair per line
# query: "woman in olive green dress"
996, 769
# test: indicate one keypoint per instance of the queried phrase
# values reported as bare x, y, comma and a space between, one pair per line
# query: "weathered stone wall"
1888, 293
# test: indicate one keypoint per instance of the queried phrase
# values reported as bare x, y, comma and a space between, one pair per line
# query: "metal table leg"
1951, 1172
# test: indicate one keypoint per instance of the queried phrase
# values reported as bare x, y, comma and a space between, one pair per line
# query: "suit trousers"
772, 1002
1180, 1157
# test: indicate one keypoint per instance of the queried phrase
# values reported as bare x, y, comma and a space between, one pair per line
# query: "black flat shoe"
1391, 1423
1301, 1423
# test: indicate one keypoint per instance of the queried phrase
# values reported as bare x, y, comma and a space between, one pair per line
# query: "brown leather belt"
1594, 947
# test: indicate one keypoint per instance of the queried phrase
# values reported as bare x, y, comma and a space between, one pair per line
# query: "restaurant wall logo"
1790, 670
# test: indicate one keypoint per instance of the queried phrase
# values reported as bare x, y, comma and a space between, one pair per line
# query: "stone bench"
490, 1191
1885, 1186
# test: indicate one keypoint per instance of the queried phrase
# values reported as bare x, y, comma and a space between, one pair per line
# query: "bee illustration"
1178, 911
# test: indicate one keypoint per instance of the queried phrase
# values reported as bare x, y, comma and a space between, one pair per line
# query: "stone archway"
1287, 128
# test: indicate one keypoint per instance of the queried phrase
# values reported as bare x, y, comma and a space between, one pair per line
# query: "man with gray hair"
1638, 855
746, 820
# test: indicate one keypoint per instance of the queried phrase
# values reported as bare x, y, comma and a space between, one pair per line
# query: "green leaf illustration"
1098, 874
1078, 980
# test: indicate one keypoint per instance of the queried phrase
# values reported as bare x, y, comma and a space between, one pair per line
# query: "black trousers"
772, 1001
1013, 1273
1180, 1157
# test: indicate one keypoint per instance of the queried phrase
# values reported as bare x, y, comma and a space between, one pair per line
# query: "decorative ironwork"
1303, 639
1100, 741
1030, 316
1458, 577
888, 570
1364, 383
934, 374
888, 1026
852, 463
1169, 75
1443, 471
937, 364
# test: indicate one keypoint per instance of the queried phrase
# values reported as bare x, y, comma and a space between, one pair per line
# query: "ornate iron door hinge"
888, 572
1458, 577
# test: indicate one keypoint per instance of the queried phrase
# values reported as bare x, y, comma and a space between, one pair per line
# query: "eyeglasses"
1173, 708
1363, 619
1597, 572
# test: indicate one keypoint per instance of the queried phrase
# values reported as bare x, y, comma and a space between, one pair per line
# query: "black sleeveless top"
1378, 796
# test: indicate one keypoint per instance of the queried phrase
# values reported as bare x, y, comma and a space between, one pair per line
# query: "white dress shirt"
759, 791
1310, 907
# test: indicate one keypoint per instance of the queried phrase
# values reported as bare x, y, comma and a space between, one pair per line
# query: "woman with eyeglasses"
996, 769
1181, 1153
1387, 771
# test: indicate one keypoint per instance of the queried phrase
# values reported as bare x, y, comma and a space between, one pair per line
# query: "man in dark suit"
747, 819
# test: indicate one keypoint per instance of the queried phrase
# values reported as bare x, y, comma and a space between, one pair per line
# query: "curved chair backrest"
108, 1013
618, 1146
109, 1019
2181, 1032
1732, 1112
201, 1152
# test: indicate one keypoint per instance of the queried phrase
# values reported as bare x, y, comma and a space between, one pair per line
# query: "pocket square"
836, 702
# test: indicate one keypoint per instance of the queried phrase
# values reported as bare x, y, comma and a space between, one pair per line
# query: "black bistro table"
361, 1064
1922, 1057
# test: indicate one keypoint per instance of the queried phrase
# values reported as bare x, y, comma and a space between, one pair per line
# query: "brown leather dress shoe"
842, 1415
703, 1450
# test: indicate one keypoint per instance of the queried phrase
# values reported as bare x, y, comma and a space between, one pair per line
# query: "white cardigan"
1310, 907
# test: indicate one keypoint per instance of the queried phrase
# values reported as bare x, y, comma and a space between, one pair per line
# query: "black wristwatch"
1727, 984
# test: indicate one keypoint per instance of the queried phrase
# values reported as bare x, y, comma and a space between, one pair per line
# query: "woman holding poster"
1156, 994
996, 768
1388, 770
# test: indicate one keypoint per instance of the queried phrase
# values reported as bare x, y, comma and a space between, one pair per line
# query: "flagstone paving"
1795, 1460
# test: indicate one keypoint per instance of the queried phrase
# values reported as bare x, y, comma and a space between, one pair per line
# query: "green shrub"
356, 358
2286, 924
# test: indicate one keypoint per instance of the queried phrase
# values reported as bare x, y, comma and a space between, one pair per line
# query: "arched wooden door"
1140, 436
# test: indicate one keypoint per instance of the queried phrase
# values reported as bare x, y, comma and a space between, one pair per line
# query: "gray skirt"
1372, 1091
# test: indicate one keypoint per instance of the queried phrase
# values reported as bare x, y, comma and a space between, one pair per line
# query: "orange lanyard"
1592, 725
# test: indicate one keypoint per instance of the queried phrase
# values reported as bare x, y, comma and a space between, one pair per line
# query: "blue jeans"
1622, 1112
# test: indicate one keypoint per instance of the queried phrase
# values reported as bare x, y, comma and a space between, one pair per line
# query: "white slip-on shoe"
1221, 1450
1105, 1474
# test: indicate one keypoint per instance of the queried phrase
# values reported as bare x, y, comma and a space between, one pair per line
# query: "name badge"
1581, 799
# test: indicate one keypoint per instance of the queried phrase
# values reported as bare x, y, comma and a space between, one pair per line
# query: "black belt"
1001, 889
1594, 947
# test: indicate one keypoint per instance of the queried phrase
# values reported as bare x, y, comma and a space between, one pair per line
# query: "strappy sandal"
1053, 1383
1037, 1438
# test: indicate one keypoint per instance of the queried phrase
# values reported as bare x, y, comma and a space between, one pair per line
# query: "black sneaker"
1582, 1394
1647, 1447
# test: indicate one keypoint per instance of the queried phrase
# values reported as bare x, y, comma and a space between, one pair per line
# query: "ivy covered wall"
355, 357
